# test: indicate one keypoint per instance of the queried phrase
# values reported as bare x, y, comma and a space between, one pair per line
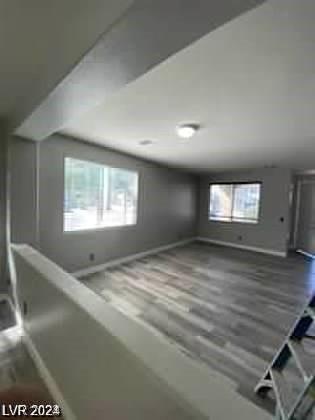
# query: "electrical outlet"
92, 256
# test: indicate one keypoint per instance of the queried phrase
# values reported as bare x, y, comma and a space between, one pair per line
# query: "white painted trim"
298, 208
297, 213
245, 247
307, 254
118, 261
48, 378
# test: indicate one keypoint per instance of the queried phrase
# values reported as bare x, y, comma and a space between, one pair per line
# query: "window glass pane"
98, 196
234, 202
122, 203
246, 202
220, 202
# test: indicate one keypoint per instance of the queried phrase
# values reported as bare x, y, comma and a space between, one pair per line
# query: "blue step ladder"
289, 405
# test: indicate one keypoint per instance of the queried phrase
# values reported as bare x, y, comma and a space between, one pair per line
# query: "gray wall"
168, 200
23, 191
298, 180
167, 207
270, 233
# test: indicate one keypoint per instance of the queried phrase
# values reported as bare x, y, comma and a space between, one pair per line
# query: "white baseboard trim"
245, 247
118, 261
47, 378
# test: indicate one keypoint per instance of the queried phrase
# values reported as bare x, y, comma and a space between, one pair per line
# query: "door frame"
299, 184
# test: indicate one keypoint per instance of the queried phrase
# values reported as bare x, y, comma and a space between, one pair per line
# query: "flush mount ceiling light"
186, 131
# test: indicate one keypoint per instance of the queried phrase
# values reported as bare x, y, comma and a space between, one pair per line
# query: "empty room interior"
157, 209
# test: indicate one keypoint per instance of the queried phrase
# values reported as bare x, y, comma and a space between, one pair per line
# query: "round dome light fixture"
186, 131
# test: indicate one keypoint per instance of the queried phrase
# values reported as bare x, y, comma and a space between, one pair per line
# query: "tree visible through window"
234, 202
98, 196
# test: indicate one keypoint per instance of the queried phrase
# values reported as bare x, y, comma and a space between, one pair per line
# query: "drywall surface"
270, 233
145, 35
166, 208
105, 364
23, 191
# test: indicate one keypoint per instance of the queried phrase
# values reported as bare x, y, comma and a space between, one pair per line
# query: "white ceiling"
145, 35
40, 41
250, 84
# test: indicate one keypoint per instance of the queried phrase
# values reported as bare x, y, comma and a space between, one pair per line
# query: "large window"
98, 196
234, 202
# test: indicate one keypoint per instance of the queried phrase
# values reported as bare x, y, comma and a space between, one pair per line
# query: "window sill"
97, 229
233, 222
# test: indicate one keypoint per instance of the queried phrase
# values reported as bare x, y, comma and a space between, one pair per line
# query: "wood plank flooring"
229, 309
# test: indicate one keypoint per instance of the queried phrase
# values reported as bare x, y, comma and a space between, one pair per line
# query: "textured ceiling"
149, 32
250, 84
40, 41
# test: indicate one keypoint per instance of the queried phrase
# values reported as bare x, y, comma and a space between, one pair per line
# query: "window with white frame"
234, 202
98, 196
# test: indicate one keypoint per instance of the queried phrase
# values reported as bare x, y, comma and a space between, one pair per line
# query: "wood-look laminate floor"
227, 308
